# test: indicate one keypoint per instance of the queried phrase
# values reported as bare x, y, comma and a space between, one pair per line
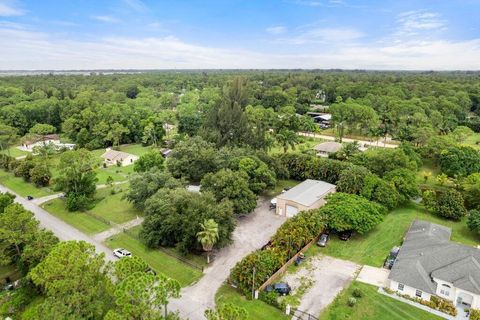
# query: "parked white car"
121, 253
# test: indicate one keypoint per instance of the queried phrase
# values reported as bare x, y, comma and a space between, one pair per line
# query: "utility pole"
253, 284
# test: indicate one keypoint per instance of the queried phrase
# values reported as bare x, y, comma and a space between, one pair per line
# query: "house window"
400, 286
445, 290
418, 293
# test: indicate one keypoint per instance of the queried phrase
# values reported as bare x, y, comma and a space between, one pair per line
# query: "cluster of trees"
31, 169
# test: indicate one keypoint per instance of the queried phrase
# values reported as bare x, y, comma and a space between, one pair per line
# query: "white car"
121, 253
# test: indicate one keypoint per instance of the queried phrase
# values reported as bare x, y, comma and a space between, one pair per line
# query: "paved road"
61, 229
251, 233
376, 143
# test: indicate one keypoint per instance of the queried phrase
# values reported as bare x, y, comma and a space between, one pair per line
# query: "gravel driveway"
326, 276
251, 233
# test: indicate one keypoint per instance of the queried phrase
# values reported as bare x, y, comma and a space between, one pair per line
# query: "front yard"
21, 187
108, 207
158, 260
372, 248
256, 309
372, 306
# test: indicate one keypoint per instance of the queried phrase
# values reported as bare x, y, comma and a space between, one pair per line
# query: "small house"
310, 194
326, 148
114, 157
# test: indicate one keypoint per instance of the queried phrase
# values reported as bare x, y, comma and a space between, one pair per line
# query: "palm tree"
208, 236
287, 138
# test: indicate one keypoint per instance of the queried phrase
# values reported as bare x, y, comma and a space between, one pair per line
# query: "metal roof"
308, 192
329, 147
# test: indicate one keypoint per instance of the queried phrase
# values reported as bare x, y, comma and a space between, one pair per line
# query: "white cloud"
323, 35
276, 30
107, 19
136, 5
8, 9
416, 22
23, 49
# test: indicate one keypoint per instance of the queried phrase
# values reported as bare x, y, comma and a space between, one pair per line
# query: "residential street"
61, 229
378, 143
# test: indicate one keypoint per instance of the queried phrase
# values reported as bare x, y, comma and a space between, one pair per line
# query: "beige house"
310, 194
326, 148
114, 157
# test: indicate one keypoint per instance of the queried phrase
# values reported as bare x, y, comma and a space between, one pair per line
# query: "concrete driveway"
374, 276
327, 277
251, 233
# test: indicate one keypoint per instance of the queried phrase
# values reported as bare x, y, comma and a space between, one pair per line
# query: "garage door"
291, 211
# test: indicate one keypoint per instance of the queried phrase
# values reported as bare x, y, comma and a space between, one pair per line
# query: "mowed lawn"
136, 149
21, 187
256, 309
373, 247
109, 207
372, 306
158, 260
14, 152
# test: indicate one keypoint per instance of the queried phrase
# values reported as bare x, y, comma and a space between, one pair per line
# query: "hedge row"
292, 236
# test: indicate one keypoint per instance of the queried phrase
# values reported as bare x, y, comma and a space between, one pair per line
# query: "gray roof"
114, 155
329, 147
308, 192
428, 253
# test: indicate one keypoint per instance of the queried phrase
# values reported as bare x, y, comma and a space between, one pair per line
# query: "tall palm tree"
208, 236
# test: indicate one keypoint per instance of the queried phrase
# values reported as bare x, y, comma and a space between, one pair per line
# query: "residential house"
48, 139
309, 194
114, 157
326, 148
430, 264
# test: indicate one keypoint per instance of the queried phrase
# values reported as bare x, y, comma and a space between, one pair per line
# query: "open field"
305, 143
256, 309
14, 152
373, 247
158, 260
136, 149
21, 187
372, 306
109, 207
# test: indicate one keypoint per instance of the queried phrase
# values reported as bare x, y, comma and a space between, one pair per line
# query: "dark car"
322, 242
281, 288
29, 198
345, 235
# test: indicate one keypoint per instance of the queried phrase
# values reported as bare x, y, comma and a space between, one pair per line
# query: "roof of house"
114, 155
308, 192
326, 117
428, 253
328, 147
38, 138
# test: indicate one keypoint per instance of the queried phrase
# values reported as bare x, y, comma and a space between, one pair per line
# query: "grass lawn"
281, 184
117, 173
372, 306
472, 141
108, 206
256, 309
21, 187
14, 152
136, 149
305, 143
373, 247
158, 260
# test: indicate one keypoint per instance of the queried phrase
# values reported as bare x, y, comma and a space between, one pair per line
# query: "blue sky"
102, 34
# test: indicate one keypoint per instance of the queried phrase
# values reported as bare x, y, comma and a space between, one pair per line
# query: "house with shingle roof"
114, 157
430, 264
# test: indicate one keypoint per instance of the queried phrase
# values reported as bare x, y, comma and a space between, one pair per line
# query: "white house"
40, 141
430, 264
114, 157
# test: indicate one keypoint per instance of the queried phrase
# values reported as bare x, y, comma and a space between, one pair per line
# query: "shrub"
474, 314
450, 205
357, 293
473, 221
76, 202
351, 301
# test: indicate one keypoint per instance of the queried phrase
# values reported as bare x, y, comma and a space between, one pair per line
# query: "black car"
345, 235
29, 198
281, 288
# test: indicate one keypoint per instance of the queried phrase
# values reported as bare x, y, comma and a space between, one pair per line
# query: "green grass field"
21, 187
281, 184
136, 149
373, 247
372, 306
108, 206
256, 309
14, 152
159, 261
